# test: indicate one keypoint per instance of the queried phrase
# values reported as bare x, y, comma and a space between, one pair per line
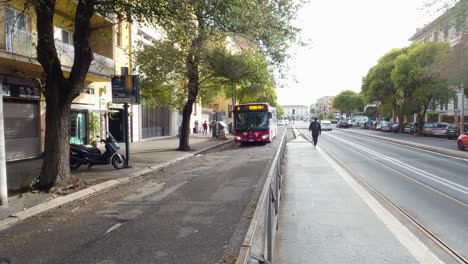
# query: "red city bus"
255, 122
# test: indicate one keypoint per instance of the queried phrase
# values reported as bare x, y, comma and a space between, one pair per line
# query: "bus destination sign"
250, 108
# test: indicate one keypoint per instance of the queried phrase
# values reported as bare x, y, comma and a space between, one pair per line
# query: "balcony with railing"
21, 45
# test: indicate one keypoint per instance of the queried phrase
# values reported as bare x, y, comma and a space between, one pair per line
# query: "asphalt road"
431, 188
194, 212
432, 141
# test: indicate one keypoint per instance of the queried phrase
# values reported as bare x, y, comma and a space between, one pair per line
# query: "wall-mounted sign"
21, 91
126, 89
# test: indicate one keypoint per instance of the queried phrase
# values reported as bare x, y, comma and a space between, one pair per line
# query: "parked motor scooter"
83, 155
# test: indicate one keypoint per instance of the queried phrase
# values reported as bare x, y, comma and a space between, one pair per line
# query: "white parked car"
326, 125
286, 121
281, 122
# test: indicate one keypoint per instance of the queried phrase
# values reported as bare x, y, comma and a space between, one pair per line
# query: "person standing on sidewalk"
316, 130
205, 128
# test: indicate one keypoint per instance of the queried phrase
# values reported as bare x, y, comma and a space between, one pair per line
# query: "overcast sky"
346, 39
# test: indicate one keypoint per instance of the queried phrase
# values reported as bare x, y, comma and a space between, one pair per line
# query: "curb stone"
448, 152
92, 190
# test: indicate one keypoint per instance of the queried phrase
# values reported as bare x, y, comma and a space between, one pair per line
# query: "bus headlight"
264, 136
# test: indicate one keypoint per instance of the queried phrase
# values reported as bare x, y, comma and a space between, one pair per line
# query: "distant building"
324, 105
296, 111
438, 30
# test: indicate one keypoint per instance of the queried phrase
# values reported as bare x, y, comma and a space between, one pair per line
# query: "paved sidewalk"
327, 217
144, 157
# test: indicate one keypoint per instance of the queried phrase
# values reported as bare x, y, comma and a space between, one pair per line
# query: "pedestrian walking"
205, 128
316, 130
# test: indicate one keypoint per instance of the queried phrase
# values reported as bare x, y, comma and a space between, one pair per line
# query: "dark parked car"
396, 128
452, 131
427, 129
342, 124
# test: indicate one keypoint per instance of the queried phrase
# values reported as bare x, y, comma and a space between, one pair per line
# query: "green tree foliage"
243, 76
192, 25
331, 116
372, 112
409, 79
418, 79
348, 102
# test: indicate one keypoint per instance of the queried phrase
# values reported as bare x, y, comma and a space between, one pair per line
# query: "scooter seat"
88, 149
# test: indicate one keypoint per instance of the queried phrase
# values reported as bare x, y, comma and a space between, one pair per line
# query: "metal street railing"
261, 250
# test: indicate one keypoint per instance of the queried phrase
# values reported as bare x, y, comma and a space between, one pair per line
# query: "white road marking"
450, 184
415, 148
420, 251
114, 227
408, 177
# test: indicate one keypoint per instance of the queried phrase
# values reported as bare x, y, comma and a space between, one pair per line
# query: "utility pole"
462, 110
3, 172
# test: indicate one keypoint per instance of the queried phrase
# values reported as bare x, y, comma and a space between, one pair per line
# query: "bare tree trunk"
193, 87
60, 91
55, 167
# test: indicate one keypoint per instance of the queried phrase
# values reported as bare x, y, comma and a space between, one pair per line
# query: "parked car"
396, 128
386, 126
379, 125
334, 121
342, 124
286, 122
465, 127
410, 127
462, 141
326, 125
427, 129
452, 131
281, 122
440, 129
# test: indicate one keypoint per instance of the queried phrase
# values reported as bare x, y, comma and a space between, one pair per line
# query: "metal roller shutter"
21, 130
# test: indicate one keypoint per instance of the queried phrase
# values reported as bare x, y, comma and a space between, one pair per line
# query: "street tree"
243, 76
61, 89
348, 101
192, 25
418, 80
378, 86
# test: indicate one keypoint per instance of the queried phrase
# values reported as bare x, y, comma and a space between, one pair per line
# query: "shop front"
79, 127
21, 120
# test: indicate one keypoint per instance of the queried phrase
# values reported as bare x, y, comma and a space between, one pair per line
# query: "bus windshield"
251, 121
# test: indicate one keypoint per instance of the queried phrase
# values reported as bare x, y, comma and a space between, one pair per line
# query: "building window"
16, 20
118, 35
63, 35
455, 102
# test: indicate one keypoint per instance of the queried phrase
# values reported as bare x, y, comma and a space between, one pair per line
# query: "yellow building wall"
122, 53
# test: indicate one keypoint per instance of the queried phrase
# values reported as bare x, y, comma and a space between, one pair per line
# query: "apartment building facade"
325, 104
21, 76
440, 30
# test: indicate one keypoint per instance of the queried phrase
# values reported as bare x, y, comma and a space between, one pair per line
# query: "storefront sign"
21, 91
126, 89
